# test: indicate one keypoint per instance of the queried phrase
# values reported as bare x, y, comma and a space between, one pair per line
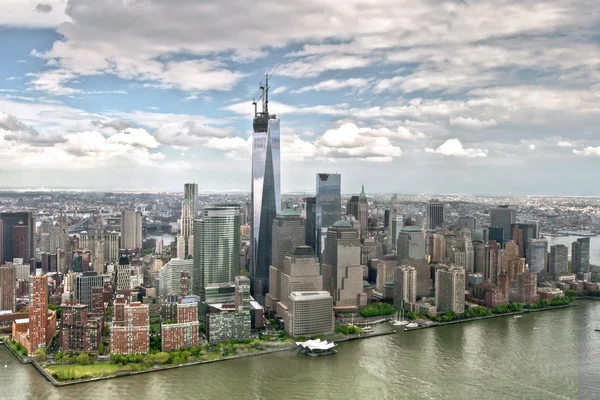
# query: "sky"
497, 97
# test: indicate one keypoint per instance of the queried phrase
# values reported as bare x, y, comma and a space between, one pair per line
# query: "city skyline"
458, 104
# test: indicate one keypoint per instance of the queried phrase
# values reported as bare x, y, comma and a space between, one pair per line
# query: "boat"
367, 329
316, 348
412, 325
517, 316
534, 328
400, 321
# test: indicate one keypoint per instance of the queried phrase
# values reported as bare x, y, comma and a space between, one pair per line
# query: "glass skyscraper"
216, 251
266, 198
329, 205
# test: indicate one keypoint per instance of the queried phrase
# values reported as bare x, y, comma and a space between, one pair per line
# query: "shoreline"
508, 314
58, 383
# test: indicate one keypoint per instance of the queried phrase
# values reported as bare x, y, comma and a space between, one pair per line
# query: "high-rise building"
7, 287
20, 241
482, 258
186, 227
397, 222
131, 229
288, 233
468, 222
181, 242
358, 206
435, 214
385, 271
217, 253
527, 288
510, 253
580, 255
537, 254
80, 331
405, 285
131, 335
493, 266
503, 216
84, 285
266, 195
184, 333
170, 276
522, 234
242, 294
190, 192
342, 273
310, 237
439, 248
411, 244
310, 313
450, 290
45, 231
329, 205
9, 221
38, 312
111, 246
496, 234
559, 260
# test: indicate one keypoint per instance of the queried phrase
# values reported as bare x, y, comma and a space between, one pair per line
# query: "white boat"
367, 329
400, 321
412, 325
517, 316
534, 328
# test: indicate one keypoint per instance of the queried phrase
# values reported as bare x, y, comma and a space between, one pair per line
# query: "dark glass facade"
9, 221
310, 235
328, 204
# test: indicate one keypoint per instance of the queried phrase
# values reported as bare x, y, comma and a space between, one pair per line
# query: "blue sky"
496, 97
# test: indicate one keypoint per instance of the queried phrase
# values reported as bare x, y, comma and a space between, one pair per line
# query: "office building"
9, 221
405, 285
397, 222
468, 222
503, 216
131, 334
182, 334
342, 272
439, 248
84, 285
131, 229
170, 277
7, 287
411, 244
217, 254
310, 236
496, 234
187, 222
242, 294
494, 264
522, 234
385, 271
328, 206
45, 231
435, 214
450, 290
311, 313
580, 255
559, 260
123, 273
190, 192
526, 288
300, 273
20, 241
537, 254
288, 233
266, 197
358, 206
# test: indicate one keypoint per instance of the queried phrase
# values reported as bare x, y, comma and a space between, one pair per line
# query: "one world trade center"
266, 193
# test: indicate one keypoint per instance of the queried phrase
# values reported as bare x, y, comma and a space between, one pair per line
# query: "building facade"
132, 334
450, 290
311, 313
435, 215
328, 206
131, 229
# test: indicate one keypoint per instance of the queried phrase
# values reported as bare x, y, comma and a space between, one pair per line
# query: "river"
568, 240
500, 358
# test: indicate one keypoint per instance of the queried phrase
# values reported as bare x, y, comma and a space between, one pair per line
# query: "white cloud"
588, 151
564, 144
43, 14
313, 66
280, 89
472, 122
335, 84
348, 141
531, 147
454, 148
189, 134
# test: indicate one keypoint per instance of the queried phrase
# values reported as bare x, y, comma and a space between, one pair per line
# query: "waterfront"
568, 240
500, 357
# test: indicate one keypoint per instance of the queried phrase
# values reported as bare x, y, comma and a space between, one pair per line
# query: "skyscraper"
496, 233
170, 276
190, 192
537, 252
9, 221
411, 244
435, 214
20, 242
405, 285
329, 205
468, 222
559, 260
217, 252
580, 255
450, 290
131, 229
7, 287
397, 223
38, 312
310, 237
85, 283
187, 222
503, 216
266, 194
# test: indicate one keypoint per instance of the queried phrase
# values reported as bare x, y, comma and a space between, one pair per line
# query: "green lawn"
69, 372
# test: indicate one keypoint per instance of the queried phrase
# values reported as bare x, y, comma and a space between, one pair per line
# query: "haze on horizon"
404, 97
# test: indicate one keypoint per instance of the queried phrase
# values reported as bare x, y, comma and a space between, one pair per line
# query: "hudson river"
500, 358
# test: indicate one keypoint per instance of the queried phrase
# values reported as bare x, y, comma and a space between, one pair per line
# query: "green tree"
162, 357
84, 359
101, 348
39, 354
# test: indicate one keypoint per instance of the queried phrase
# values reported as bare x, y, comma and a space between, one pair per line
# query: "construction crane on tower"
264, 95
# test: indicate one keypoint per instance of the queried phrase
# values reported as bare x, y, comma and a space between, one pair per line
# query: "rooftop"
411, 228
342, 223
288, 212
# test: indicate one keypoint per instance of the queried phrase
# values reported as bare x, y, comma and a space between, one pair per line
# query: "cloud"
348, 141
588, 151
454, 148
43, 8
15, 131
190, 134
564, 144
313, 66
531, 147
280, 89
335, 84
472, 122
